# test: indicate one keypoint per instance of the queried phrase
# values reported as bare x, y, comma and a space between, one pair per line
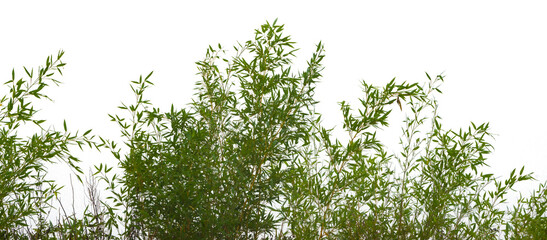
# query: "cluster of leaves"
251, 159
26, 193
213, 171
435, 191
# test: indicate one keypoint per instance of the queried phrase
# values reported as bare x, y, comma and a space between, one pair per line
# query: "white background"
493, 54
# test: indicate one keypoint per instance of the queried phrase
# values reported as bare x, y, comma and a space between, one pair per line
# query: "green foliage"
25, 192
528, 220
250, 158
214, 170
435, 192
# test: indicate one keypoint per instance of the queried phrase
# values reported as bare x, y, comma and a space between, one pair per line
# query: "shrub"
26, 193
250, 158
